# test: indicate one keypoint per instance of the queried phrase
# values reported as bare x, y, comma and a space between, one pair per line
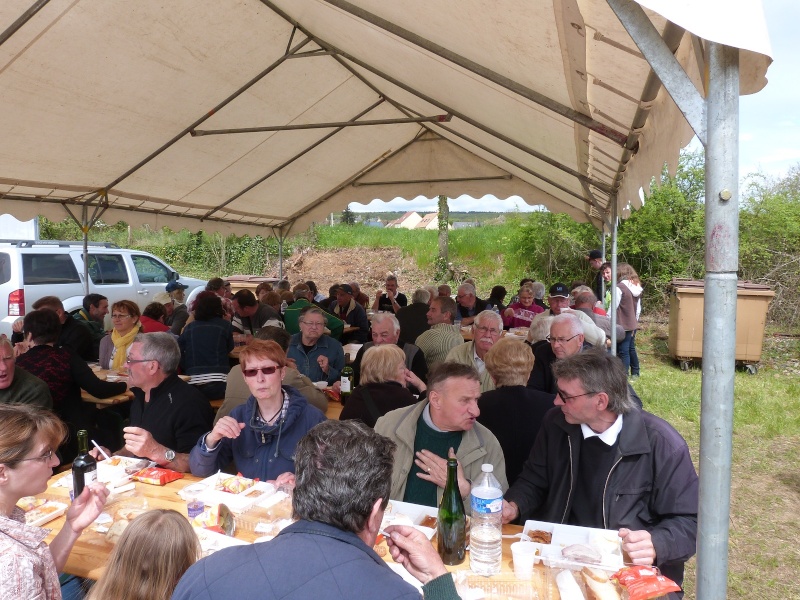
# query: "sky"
769, 122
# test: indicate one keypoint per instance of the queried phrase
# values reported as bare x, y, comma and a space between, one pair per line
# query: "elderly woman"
205, 344
260, 435
125, 317
513, 412
383, 385
29, 436
66, 374
521, 312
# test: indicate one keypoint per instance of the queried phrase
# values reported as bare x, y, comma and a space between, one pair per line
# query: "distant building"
408, 221
373, 223
465, 224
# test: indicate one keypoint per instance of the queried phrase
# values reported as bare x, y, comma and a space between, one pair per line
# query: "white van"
30, 270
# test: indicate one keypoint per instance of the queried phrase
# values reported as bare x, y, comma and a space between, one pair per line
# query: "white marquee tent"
253, 116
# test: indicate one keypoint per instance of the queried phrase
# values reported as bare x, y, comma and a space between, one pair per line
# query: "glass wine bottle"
84, 467
452, 522
346, 384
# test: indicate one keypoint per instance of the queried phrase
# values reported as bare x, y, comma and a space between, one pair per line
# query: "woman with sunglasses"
260, 435
114, 348
28, 437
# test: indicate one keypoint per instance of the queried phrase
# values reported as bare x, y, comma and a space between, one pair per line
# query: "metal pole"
603, 239
719, 320
280, 255
85, 229
613, 306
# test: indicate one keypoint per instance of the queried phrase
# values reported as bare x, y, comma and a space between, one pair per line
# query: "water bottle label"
487, 505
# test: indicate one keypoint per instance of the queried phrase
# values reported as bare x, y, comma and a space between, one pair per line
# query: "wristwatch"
169, 455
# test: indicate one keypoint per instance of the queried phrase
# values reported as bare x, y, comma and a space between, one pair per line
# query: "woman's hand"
412, 378
226, 427
87, 507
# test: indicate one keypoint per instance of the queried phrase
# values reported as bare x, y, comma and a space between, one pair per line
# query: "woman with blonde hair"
125, 316
512, 411
382, 385
151, 556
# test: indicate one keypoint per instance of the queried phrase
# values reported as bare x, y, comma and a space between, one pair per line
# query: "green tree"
348, 217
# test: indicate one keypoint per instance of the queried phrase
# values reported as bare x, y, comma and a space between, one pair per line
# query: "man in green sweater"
17, 386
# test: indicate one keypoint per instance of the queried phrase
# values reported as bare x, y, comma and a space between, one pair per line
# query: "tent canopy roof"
129, 105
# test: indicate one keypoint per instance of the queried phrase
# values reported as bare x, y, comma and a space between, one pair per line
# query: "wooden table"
334, 410
89, 555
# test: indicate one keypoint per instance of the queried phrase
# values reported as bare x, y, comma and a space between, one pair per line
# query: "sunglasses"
264, 371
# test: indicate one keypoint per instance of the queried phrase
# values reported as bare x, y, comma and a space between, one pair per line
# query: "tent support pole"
603, 241
613, 307
719, 320
86, 223
23, 18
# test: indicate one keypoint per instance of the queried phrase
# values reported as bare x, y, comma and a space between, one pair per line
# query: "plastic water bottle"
486, 530
284, 306
495, 309
457, 319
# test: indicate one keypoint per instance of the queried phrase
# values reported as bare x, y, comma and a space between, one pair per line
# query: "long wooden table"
89, 555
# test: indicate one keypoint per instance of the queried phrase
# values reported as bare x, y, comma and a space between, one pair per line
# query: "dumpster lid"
678, 283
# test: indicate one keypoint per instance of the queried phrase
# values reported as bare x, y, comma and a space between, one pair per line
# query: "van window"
5, 268
107, 269
43, 269
149, 270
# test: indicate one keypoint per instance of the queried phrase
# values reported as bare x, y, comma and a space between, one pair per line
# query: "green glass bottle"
347, 384
452, 522
84, 467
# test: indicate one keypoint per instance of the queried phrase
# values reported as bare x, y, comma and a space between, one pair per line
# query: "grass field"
765, 500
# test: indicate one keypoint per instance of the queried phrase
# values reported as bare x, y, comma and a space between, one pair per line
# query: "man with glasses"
318, 356
17, 386
168, 415
559, 300
565, 340
486, 330
469, 305
599, 461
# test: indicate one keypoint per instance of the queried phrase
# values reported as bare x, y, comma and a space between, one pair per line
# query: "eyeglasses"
45, 458
561, 341
131, 361
312, 324
264, 371
118, 316
481, 329
564, 397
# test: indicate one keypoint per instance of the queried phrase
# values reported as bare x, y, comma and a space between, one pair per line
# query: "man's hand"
378, 295
285, 480
390, 295
140, 442
226, 427
434, 469
509, 312
510, 512
639, 546
411, 548
87, 507
322, 361
96, 454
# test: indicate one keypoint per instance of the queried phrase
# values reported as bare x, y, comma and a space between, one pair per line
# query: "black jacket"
653, 484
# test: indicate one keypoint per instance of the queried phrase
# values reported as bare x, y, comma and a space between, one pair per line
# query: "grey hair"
586, 298
575, 325
421, 295
540, 329
449, 370
446, 305
391, 277
467, 288
161, 347
432, 291
538, 290
598, 371
341, 469
489, 315
313, 310
4, 341
380, 317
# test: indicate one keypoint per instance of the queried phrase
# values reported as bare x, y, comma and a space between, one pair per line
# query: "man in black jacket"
599, 461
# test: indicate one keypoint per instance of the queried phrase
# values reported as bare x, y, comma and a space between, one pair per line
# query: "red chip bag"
651, 587
628, 575
157, 476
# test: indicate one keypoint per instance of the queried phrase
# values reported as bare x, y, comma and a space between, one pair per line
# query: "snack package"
236, 484
643, 583
157, 476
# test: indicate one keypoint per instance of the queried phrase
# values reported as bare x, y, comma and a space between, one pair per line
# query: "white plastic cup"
524, 554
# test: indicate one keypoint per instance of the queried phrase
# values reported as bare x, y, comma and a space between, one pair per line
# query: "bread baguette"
600, 590
596, 574
568, 588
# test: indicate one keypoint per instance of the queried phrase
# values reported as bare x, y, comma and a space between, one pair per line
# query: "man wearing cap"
250, 315
595, 258
303, 297
352, 313
559, 300
177, 320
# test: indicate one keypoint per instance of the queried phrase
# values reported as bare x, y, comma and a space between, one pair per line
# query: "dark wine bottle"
346, 384
452, 522
84, 467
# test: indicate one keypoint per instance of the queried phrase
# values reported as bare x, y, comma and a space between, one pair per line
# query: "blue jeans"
624, 350
634, 357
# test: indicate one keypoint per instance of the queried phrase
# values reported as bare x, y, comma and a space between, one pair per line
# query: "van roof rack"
56, 243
